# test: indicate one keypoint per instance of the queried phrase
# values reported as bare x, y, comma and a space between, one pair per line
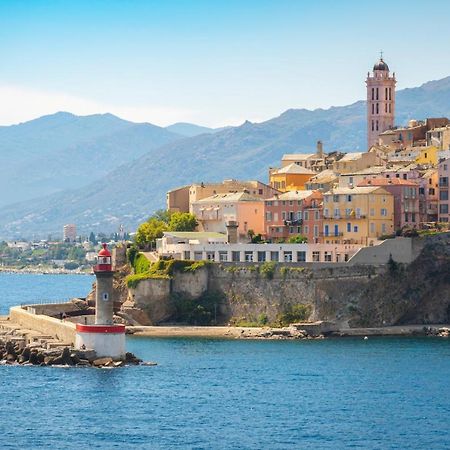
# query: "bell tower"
380, 101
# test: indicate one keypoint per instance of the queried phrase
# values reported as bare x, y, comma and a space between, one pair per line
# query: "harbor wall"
64, 331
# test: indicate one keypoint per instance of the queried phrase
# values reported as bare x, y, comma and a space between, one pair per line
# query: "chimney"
319, 149
232, 231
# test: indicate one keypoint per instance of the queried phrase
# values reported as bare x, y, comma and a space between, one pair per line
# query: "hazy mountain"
189, 129
134, 190
64, 151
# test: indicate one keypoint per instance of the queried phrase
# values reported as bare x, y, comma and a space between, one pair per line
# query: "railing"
291, 223
339, 234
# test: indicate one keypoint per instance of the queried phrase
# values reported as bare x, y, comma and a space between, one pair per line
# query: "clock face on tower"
105, 296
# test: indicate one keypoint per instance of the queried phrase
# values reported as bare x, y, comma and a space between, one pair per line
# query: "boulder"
102, 361
34, 359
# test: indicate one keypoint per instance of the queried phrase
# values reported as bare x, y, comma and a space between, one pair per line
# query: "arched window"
385, 107
389, 107
372, 126
373, 94
377, 125
390, 94
377, 109
386, 93
377, 93
373, 108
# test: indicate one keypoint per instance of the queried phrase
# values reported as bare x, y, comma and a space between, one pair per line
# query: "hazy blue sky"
209, 62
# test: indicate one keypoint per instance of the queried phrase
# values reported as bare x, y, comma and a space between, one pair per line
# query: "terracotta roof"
292, 195
387, 182
229, 197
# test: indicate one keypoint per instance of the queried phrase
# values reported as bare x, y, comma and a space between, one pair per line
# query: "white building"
213, 247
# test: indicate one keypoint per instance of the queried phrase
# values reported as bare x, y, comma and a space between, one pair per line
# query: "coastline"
226, 332
41, 271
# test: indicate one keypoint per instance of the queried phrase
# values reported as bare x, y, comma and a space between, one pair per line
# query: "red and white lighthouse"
106, 338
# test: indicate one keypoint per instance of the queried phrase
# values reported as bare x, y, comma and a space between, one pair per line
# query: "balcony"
293, 223
339, 234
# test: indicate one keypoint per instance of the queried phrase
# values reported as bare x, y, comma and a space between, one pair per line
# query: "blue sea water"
380, 393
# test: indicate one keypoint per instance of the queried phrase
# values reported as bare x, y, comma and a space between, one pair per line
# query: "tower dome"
381, 65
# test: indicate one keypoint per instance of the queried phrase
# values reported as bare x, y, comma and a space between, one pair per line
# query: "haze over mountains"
102, 171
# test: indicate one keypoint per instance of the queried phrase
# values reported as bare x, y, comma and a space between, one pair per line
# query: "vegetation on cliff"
164, 269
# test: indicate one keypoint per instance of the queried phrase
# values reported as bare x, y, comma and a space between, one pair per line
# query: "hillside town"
329, 204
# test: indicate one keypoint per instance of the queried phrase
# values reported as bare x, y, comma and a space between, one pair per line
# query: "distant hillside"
132, 191
189, 129
64, 151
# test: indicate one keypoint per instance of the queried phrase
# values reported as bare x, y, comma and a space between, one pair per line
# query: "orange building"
292, 177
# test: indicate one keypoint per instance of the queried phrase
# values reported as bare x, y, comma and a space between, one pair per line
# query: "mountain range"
101, 171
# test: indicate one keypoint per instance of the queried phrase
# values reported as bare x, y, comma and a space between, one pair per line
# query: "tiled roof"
387, 182
294, 169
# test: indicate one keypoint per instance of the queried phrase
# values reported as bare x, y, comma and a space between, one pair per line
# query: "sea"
379, 393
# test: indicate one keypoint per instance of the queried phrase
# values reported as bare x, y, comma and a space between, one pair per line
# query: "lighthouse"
105, 337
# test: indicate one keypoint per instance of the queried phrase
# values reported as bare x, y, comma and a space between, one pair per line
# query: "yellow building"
358, 215
290, 178
427, 155
419, 155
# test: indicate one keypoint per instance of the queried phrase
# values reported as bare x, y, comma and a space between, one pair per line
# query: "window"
235, 256
413, 217
326, 212
327, 256
443, 195
198, 256
260, 191
274, 256
376, 125
261, 256
287, 256
275, 217
316, 231
291, 202
301, 256
355, 229
316, 215
377, 109
358, 213
349, 197
337, 213
306, 215
373, 108
373, 94
268, 216
269, 203
336, 198
443, 209
299, 230
384, 212
372, 227
431, 191
383, 228
372, 211
210, 256
316, 256
421, 191
306, 229
349, 227
248, 256
373, 126
377, 93
291, 230
223, 256
406, 217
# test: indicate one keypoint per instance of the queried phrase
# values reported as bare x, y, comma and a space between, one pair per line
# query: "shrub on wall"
293, 314
267, 269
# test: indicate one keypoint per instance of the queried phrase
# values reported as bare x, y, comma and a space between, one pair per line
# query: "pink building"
380, 102
214, 212
444, 203
406, 200
294, 213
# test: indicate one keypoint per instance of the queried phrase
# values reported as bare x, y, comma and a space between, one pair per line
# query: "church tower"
380, 101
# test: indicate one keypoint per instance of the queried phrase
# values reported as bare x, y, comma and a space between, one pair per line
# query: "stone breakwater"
20, 346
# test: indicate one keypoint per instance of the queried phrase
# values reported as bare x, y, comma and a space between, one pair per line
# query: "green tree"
149, 231
92, 238
298, 239
163, 215
182, 222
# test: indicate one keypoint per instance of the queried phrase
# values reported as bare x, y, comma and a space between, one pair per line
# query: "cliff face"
355, 296
418, 293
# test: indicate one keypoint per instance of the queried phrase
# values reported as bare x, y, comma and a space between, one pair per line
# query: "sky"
212, 63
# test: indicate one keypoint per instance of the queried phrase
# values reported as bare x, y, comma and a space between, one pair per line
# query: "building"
292, 177
313, 161
406, 200
428, 195
444, 202
177, 200
181, 199
214, 212
358, 215
323, 181
417, 133
352, 162
424, 155
225, 252
439, 137
380, 101
70, 232
294, 213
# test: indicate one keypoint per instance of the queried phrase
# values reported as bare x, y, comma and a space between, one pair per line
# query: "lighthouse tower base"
106, 340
